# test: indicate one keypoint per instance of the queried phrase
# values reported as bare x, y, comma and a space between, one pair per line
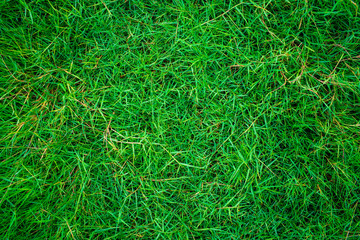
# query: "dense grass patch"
179, 119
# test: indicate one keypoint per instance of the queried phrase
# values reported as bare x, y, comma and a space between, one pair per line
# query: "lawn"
181, 119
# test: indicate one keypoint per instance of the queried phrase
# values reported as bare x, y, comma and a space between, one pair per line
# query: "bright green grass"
179, 120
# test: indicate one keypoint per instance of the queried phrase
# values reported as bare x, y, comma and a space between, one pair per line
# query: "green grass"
179, 120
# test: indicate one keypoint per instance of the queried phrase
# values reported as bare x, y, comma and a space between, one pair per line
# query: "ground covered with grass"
179, 120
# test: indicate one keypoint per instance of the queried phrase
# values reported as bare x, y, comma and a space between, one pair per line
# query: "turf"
179, 119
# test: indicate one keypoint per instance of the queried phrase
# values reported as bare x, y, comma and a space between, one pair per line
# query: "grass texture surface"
179, 119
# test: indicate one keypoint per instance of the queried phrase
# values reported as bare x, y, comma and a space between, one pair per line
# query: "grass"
179, 119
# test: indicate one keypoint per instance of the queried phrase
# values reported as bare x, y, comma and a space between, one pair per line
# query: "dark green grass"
179, 120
